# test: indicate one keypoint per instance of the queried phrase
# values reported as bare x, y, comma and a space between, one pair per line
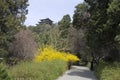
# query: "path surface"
78, 73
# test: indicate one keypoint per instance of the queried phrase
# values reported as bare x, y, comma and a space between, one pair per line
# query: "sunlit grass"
46, 70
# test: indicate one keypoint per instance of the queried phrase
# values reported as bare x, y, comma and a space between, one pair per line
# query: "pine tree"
81, 16
12, 16
64, 26
96, 39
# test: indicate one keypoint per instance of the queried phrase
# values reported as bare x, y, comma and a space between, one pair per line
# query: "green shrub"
3, 73
108, 71
46, 70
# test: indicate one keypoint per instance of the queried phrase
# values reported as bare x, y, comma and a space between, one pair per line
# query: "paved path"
78, 73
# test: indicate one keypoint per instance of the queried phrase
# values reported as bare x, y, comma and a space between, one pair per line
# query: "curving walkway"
78, 73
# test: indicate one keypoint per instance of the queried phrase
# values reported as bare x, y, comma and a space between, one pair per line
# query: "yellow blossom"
48, 53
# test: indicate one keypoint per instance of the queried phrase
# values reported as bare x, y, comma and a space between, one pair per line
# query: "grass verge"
46, 70
108, 71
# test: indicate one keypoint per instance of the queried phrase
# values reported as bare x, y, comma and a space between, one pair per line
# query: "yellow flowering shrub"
48, 53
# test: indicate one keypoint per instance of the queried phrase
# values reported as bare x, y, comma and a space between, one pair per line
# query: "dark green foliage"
81, 16
3, 73
54, 35
98, 17
113, 22
39, 28
113, 55
101, 33
108, 71
101, 23
64, 24
12, 16
80, 23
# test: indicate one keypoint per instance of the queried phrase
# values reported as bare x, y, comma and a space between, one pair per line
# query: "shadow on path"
82, 73
78, 73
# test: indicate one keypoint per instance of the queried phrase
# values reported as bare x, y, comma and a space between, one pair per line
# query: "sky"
53, 9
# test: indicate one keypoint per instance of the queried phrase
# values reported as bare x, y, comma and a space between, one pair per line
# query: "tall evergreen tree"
64, 26
81, 16
12, 16
112, 30
113, 22
95, 34
80, 23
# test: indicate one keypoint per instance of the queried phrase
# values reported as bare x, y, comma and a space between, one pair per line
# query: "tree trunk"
92, 66
92, 62
69, 65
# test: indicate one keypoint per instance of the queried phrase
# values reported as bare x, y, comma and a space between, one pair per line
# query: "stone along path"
78, 73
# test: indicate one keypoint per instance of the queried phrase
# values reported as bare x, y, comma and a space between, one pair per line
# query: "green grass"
47, 70
3, 73
108, 71
88, 65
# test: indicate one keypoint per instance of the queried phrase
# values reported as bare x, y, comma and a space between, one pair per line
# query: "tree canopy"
12, 16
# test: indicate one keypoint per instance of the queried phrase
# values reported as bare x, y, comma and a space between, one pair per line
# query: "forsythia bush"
48, 53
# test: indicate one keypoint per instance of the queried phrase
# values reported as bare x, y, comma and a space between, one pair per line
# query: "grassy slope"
108, 71
47, 70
